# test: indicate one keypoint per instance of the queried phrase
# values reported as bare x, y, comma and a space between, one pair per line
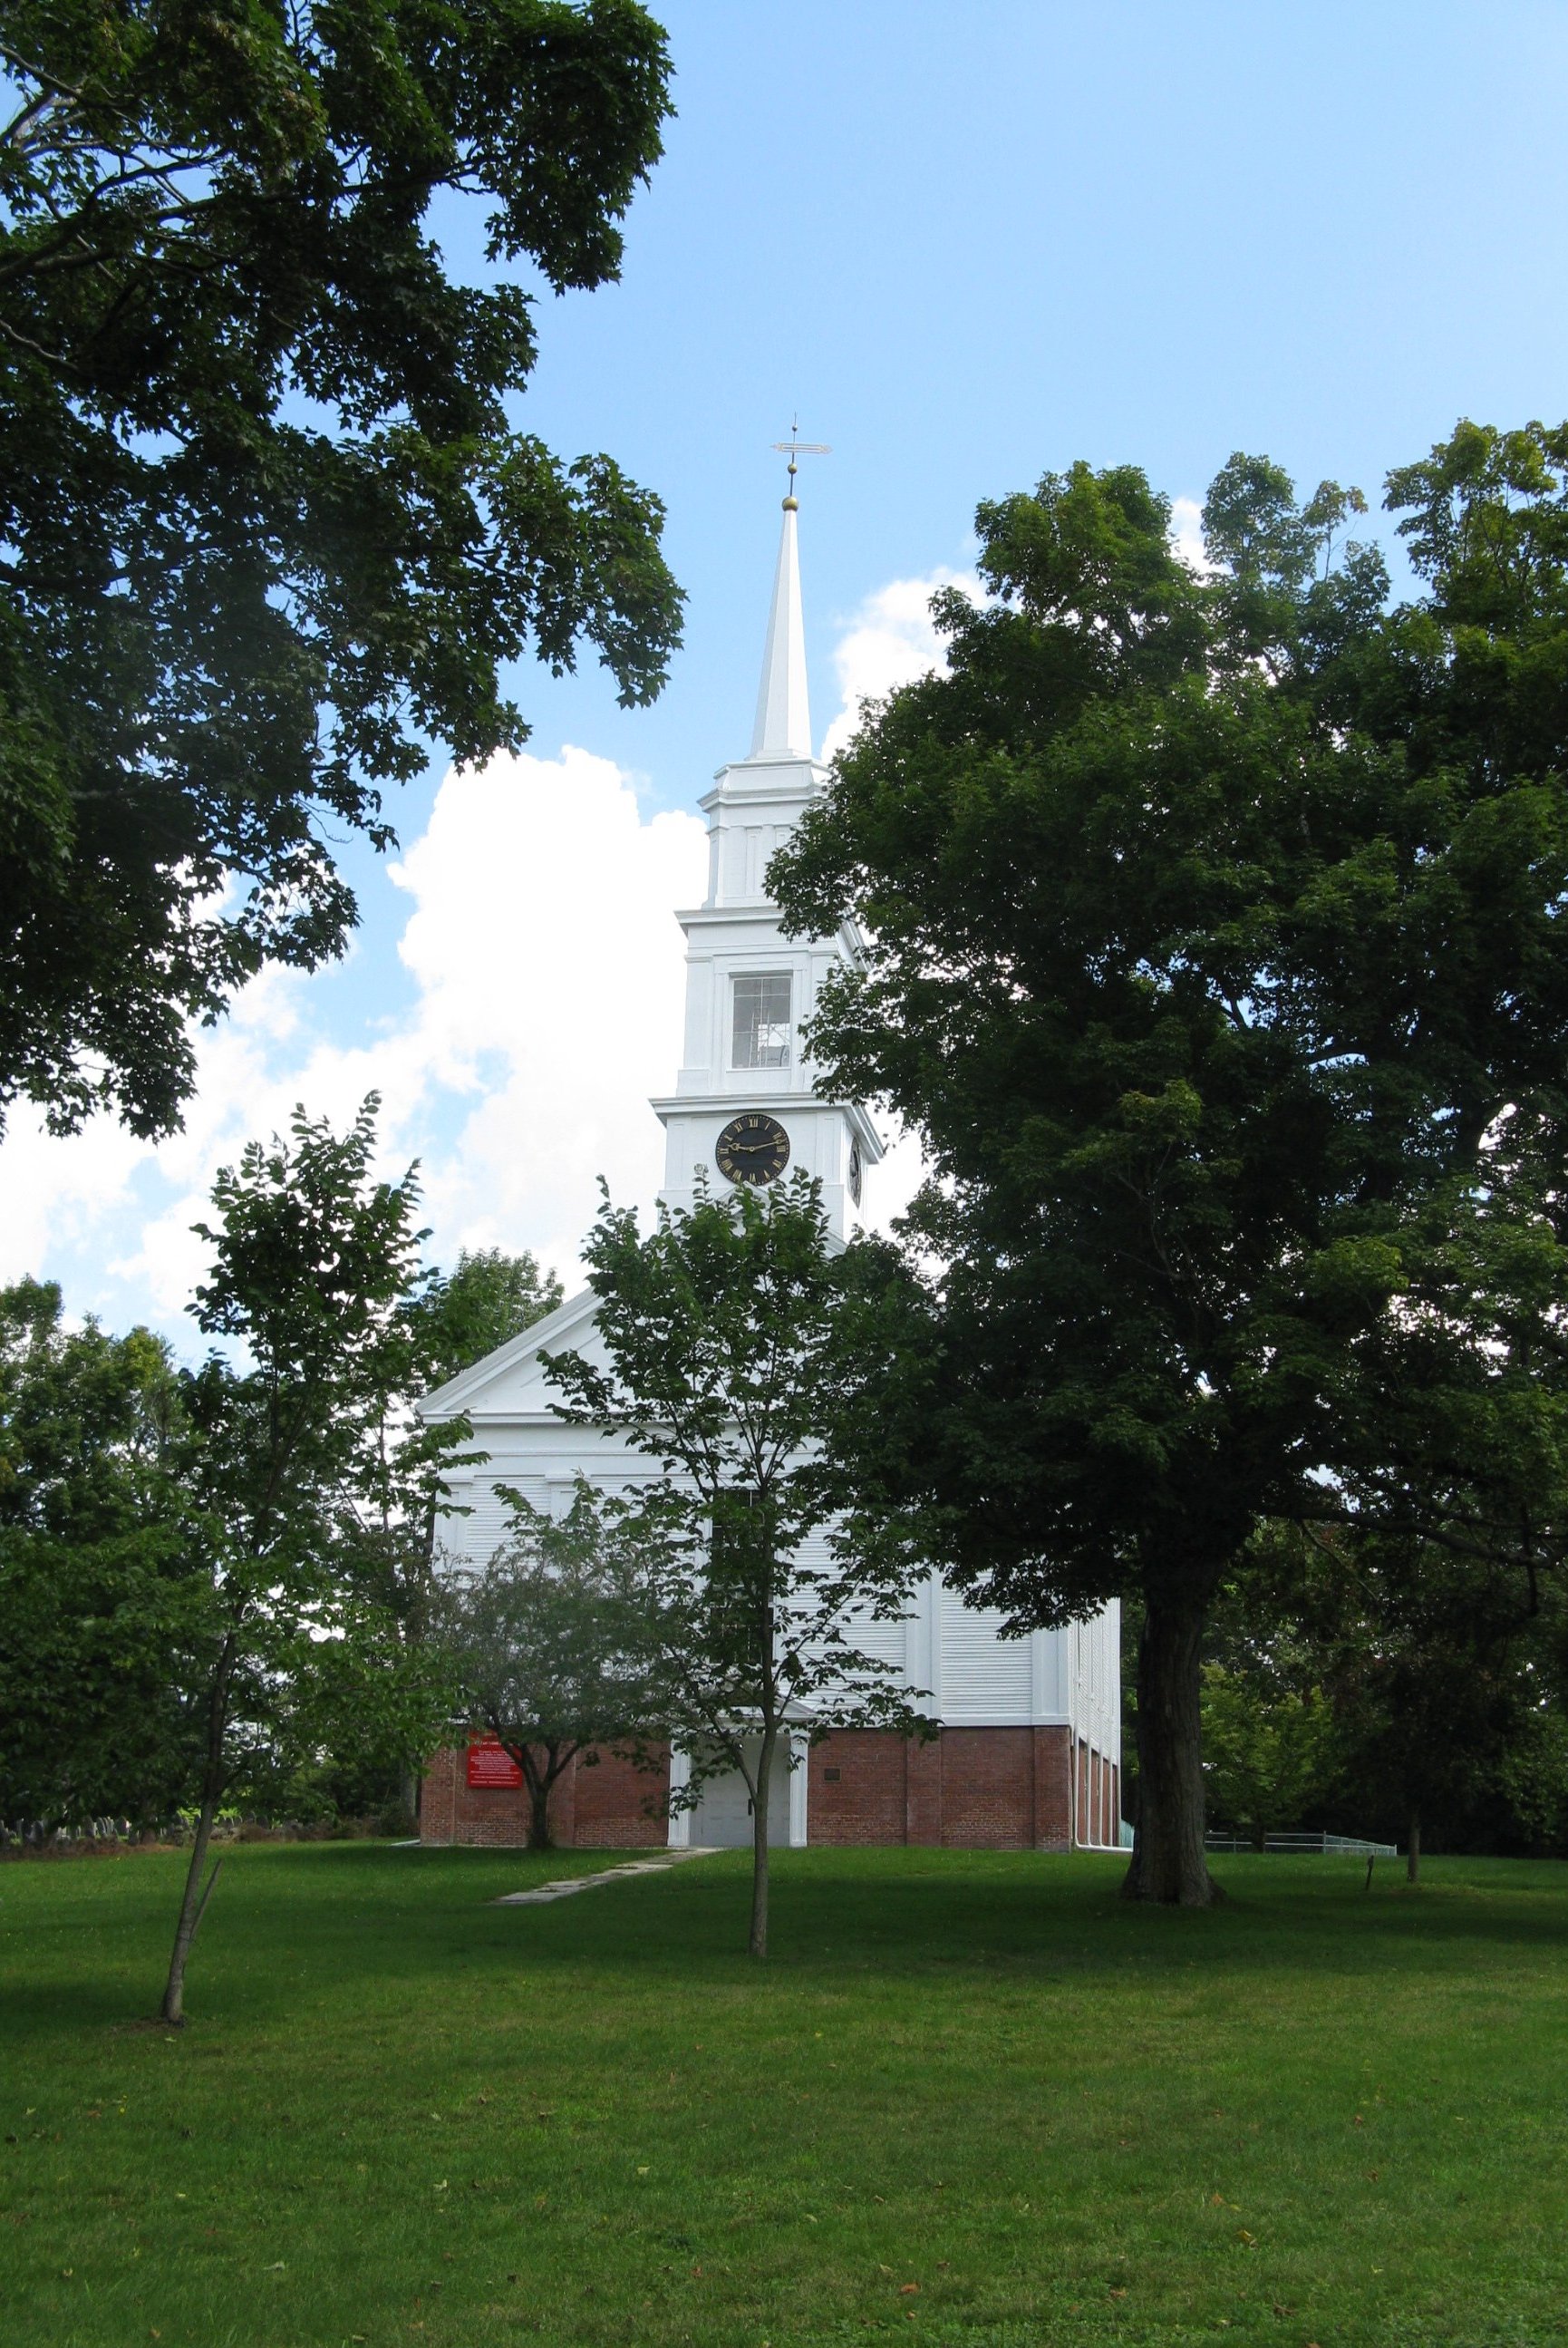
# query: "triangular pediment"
512, 1382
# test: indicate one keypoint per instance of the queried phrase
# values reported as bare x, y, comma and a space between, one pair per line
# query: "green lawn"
973, 2100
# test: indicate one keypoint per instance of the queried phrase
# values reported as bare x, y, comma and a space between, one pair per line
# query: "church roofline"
450, 1401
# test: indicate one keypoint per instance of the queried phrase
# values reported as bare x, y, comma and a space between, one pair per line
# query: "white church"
1029, 1754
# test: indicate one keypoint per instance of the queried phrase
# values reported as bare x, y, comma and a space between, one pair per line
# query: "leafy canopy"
549, 1636
1216, 936
267, 525
486, 1298
741, 1348
101, 1596
312, 1256
1215, 922
198, 1593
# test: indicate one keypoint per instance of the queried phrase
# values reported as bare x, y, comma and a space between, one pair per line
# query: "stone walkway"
568, 1884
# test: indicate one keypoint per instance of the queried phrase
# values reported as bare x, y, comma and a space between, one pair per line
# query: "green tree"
553, 1647
743, 1350
100, 1606
487, 1299
312, 1258
267, 527
1448, 1633
1213, 926
1268, 1749
1532, 1775
1434, 1663
1434, 1680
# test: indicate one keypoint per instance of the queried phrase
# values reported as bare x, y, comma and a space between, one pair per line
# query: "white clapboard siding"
883, 1642
986, 1680
474, 1539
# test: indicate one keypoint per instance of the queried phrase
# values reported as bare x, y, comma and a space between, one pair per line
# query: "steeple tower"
746, 1107
782, 729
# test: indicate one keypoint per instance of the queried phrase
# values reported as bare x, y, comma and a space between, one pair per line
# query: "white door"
722, 1818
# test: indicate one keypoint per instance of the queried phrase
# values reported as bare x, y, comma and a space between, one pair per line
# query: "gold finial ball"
792, 505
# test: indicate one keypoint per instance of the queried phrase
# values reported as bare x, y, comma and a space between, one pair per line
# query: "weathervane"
795, 446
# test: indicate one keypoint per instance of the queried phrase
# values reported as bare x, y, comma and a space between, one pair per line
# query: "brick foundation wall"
598, 1806
974, 1788
613, 1801
988, 1788
977, 1788
858, 1787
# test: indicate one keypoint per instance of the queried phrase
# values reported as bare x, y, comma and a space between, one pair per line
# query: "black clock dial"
752, 1148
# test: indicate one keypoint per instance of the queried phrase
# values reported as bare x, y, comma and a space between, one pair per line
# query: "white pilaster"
799, 1746
679, 1820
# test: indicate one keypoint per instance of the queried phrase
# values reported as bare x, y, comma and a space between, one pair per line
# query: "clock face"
752, 1148
855, 1172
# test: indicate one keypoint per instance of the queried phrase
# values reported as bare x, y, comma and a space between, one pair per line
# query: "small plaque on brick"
491, 1766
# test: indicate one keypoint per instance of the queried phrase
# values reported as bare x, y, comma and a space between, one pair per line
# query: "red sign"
490, 1764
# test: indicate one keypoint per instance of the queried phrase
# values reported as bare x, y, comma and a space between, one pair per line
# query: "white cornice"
452, 1399
775, 1103
762, 908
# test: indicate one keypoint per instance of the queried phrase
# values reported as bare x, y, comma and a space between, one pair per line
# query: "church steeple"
784, 711
745, 1106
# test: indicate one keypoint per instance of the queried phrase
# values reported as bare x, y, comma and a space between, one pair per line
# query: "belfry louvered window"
761, 1022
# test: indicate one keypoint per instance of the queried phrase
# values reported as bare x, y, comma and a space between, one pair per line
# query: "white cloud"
56, 1192
548, 976
1187, 534
556, 1008
889, 642
544, 1006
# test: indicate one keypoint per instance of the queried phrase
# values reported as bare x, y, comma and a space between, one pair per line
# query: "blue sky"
966, 243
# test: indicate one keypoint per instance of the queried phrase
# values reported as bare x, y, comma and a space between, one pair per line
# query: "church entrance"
722, 1818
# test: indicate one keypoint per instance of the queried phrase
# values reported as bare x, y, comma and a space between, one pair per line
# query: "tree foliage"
1215, 929
1268, 1750
312, 1258
101, 1607
268, 526
1435, 1679
553, 1646
121, 1500
487, 1299
742, 1353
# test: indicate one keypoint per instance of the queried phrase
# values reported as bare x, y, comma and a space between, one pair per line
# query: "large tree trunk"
1168, 1861
1414, 1849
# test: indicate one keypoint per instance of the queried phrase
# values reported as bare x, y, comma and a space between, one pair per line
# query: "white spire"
783, 713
